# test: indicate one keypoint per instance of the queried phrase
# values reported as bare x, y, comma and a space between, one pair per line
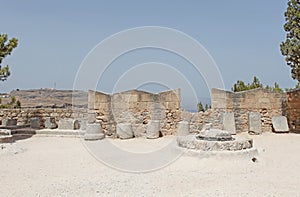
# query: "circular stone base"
6, 139
94, 136
192, 142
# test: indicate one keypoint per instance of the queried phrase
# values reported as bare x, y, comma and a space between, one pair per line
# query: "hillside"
49, 98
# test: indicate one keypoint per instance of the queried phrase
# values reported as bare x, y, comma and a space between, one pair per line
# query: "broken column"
153, 129
94, 132
68, 124
183, 128
124, 130
50, 123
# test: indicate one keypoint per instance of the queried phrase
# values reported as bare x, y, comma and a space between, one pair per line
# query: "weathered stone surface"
5, 132
35, 123
83, 124
280, 124
206, 126
215, 135
191, 142
254, 123
6, 139
183, 128
68, 124
94, 132
11, 122
229, 122
50, 123
124, 130
4, 122
153, 129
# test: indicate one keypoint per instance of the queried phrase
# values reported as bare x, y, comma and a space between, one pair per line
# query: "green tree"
200, 107
255, 84
18, 104
290, 48
239, 86
6, 47
13, 100
206, 107
276, 87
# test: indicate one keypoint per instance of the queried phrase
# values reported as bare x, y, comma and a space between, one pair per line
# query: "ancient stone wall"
135, 107
267, 103
23, 115
293, 110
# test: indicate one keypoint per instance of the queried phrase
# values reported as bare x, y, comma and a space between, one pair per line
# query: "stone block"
229, 122
50, 123
124, 130
183, 128
94, 132
68, 124
83, 124
35, 123
280, 124
254, 123
11, 122
4, 122
153, 129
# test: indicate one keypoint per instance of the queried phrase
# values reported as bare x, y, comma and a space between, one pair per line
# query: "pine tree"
290, 48
6, 47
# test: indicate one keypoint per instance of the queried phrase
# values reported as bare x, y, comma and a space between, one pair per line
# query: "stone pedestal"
50, 123
153, 129
124, 130
183, 128
254, 123
229, 122
94, 132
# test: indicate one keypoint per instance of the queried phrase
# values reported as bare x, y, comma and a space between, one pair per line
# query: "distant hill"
49, 98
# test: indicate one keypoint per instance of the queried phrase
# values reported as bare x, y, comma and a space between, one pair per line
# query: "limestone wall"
267, 103
137, 108
293, 110
23, 115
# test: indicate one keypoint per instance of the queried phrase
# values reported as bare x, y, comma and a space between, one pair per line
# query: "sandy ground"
60, 166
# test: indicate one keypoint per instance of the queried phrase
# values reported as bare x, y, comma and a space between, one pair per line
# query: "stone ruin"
210, 139
141, 114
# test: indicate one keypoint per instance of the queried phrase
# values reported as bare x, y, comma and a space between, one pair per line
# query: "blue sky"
243, 37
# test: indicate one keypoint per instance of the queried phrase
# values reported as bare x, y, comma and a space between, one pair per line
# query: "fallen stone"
229, 122
94, 132
68, 124
280, 124
153, 129
124, 130
183, 128
254, 123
